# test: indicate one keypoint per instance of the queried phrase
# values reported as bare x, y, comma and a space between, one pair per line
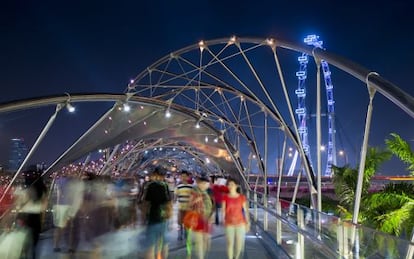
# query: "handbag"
191, 219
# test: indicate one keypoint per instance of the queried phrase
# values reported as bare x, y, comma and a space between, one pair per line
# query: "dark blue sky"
52, 47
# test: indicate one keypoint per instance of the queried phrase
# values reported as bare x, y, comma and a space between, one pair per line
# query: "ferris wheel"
301, 111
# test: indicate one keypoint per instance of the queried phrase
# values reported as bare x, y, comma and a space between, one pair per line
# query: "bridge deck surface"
125, 243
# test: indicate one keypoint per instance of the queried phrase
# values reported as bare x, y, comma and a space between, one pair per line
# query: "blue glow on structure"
301, 111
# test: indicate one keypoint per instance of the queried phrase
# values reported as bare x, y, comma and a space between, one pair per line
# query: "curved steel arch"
177, 148
94, 97
161, 76
104, 97
402, 99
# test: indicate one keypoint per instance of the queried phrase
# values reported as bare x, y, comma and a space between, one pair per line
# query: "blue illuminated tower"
301, 110
18, 151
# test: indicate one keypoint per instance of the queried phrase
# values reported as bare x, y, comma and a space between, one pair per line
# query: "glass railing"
306, 233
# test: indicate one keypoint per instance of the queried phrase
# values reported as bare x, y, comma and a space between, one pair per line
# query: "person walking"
219, 189
69, 193
31, 205
158, 209
236, 219
60, 210
202, 204
182, 196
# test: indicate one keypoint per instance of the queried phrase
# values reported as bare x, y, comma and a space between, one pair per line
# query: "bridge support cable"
135, 157
248, 170
39, 139
97, 123
361, 169
85, 162
266, 183
318, 134
122, 158
105, 169
293, 164
236, 161
295, 191
303, 155
264, 89
280, 171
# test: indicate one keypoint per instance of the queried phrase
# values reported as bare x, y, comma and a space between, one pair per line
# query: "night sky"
53, 47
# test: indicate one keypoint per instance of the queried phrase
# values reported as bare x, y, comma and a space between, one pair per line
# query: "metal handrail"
332, 253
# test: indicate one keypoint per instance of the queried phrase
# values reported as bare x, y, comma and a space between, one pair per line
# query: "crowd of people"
92, 210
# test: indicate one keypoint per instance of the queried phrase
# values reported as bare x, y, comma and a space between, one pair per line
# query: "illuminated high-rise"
18, 151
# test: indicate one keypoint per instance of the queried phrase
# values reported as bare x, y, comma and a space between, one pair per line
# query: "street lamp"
69, 106
343, 154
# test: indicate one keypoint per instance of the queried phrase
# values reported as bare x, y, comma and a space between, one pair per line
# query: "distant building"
18, 151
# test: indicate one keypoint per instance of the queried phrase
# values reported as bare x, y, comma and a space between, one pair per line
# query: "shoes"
56, 249
180, 238
71, 251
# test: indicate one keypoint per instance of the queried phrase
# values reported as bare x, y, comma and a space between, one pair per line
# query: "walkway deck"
125, 243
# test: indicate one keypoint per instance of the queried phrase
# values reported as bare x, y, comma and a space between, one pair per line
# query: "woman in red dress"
236, 219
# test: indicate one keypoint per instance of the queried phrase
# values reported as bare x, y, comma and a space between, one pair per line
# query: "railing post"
300, 246
342, 238
410, 252
255, 206
248, 194
345, 241
266, 214
278, 223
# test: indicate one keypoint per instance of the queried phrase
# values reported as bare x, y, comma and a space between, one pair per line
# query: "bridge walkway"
126, 243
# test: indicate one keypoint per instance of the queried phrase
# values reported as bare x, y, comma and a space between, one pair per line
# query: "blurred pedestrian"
82, 204
61, 210
31, 206
182, 196
143, 184
201, 203
236, 219
219, 189
157, 211
170, 180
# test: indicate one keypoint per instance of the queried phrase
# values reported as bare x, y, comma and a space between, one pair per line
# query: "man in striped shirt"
182, 196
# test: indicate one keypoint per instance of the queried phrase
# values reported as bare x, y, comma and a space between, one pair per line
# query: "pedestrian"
78, 209
31, 206
158, 210
182, 196
143, 184
219, 190
69, 197
170, 180
202, 204
60, 210
236, 219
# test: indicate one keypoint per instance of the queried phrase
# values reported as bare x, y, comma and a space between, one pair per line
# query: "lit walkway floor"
125, 243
